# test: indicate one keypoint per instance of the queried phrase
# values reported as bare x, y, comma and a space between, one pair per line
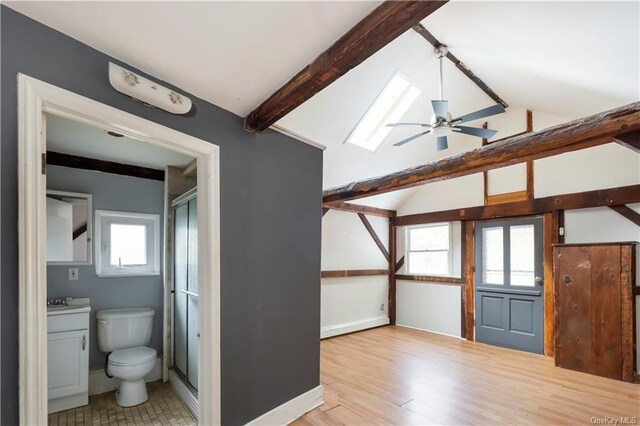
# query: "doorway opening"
36, 100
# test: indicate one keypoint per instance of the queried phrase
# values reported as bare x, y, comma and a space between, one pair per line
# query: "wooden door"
588, 311
509, 284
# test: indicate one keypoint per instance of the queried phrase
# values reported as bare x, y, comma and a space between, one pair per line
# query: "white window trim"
408, 250
103, 270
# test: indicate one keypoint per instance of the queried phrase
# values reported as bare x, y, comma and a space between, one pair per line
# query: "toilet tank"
124, 328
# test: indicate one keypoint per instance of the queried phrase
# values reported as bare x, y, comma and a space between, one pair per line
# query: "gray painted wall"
119, 193
271, 190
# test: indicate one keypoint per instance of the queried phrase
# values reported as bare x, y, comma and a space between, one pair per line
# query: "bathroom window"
127, 244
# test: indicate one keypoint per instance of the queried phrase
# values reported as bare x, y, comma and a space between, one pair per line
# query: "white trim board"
291, 410
350, 327
101, 383
429, 331
187, 396
35, 100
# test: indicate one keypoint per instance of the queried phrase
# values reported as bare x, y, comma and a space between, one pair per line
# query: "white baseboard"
185, 394
430, 331
350, 327
100, 383
291, 410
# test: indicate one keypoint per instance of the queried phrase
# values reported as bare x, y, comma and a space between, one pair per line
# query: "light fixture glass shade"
147, 91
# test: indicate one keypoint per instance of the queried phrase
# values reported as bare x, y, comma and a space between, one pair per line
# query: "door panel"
508, 284
67, 363
180, 285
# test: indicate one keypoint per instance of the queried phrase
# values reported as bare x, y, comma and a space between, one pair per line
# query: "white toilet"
124, 334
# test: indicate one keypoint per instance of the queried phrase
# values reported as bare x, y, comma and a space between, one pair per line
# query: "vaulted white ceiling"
233, 54
561, 59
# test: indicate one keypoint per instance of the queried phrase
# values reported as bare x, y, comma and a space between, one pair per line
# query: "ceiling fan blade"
475, 131
440, 109
408, 124
442, 143
486, 112
409, 139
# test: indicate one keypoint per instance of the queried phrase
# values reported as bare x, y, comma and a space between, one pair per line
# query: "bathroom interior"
122, 275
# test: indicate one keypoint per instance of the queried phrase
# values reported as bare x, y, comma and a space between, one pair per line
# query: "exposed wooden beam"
630, 140
81, 230
358, 208
373, 234
551, 223
353, 273
469, 274
463, 272
431, 279
371, 34
530, 186
627, 212
420, 29
77, 162
399, 263
507, 197
579, 200
392, 272
578, 134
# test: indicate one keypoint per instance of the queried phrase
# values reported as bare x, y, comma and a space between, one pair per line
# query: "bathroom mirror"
69, 228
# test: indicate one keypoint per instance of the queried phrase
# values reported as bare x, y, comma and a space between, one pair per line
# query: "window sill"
150, 274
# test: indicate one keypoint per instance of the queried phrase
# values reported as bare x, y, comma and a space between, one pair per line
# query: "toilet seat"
132, 356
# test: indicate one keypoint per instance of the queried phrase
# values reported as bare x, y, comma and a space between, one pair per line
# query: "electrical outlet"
73, 274
382, 307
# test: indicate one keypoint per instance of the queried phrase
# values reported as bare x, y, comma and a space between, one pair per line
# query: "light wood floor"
164, 407
400, 376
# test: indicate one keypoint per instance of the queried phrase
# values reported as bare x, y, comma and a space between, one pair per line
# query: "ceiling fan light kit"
441, 124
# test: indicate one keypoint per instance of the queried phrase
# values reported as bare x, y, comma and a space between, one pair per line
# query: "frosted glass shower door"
185, 279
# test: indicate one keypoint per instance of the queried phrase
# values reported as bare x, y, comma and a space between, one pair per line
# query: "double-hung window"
429, 250
127, 243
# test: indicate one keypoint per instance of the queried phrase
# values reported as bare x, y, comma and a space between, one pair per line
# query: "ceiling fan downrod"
440, 52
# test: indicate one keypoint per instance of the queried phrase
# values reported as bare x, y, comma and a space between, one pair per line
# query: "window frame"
449, 250
103, 220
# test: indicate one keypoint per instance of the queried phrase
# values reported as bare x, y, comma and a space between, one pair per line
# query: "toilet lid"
132, 356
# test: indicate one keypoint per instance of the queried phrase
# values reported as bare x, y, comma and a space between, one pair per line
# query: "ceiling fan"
442, 124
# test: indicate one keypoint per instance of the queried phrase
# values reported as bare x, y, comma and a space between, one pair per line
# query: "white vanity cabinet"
68, 358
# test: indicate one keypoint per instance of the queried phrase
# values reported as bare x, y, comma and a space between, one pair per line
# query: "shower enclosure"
185, 288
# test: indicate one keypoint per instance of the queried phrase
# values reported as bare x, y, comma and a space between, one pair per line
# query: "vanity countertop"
74, 306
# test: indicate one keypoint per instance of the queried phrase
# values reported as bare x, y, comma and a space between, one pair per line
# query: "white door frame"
35, 99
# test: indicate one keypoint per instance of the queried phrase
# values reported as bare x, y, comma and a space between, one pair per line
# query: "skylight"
390, 105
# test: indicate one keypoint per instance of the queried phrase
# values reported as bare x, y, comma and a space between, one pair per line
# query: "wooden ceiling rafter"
578, 134
579, 200
383, 25
627, 212
359, 208
426, 34
630, 140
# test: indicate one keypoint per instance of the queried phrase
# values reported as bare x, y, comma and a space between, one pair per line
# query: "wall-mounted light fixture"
147, 91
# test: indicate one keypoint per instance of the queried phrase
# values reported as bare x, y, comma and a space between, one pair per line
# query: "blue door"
508, 283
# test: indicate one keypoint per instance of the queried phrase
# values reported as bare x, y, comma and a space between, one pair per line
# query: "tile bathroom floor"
163, 407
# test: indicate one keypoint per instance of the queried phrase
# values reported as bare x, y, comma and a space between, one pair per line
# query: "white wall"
436, 307
431, 306
353, 303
